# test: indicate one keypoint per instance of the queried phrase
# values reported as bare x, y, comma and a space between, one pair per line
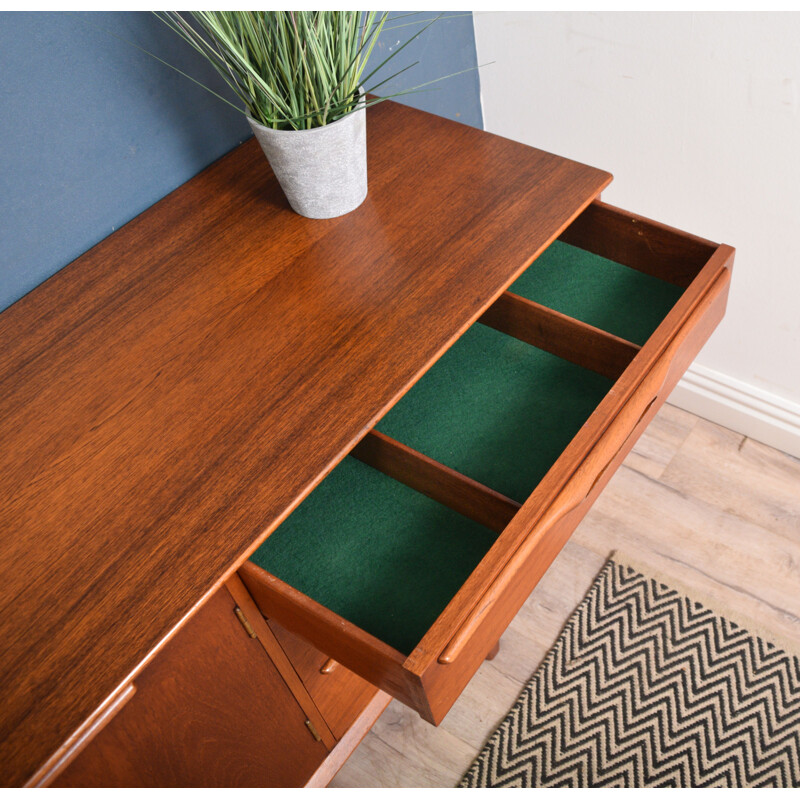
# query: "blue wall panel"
94, 131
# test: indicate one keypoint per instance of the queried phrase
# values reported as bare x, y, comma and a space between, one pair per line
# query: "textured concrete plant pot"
322, 171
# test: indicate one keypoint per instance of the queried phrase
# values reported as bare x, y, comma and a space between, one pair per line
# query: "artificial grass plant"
292, 70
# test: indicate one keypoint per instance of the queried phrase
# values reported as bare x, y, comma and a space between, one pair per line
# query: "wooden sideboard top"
170, 396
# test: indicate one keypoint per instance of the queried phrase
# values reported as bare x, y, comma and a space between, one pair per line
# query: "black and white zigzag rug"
646, 687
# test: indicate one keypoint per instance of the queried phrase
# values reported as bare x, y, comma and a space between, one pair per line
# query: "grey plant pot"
322, 171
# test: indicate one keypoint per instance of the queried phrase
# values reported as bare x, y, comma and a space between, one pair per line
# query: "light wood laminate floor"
714, 509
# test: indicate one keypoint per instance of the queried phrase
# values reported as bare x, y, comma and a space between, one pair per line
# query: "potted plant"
300, 76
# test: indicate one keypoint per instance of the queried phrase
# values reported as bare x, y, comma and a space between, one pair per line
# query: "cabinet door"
210, 710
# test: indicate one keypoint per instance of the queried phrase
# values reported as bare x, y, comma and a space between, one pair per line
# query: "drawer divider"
437, 481
561, 335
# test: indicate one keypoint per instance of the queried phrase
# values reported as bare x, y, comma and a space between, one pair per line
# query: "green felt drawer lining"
390, 559
605, 294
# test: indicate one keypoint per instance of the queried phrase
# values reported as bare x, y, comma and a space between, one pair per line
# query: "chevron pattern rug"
646, 687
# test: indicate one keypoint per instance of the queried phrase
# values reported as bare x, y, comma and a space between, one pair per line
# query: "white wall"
697, 115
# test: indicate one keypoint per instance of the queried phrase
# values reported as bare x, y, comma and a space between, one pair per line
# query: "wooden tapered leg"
494, 651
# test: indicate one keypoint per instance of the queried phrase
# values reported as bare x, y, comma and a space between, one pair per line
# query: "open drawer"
408, 561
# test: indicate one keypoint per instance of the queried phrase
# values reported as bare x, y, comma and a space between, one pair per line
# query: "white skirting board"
745, 409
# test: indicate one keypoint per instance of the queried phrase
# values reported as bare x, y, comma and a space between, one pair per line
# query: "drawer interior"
593, 289
494, 408
375, 551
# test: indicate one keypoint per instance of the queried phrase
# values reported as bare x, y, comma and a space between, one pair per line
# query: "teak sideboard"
260, 473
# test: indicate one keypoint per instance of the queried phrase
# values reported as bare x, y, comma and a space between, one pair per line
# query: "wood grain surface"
349, 742
169, 397
279, 659
640, 243
340, 696
437, 481
211, 710
563, 336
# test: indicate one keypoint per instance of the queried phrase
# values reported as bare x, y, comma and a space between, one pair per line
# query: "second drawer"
409, 560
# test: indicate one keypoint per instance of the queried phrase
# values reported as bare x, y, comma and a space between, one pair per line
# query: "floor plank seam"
788, 615
401, 725
716, 507
741, 444
507, 675
658, 482
375, 733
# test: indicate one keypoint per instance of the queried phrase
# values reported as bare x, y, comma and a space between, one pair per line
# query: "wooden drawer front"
408, 570
339, 694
